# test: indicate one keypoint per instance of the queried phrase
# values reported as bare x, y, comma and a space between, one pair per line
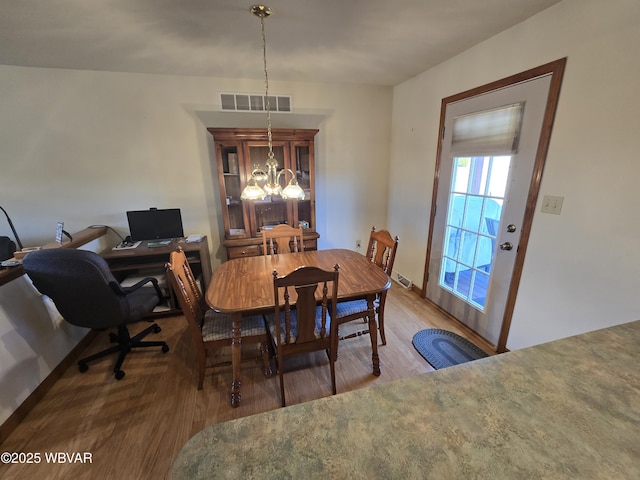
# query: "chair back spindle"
302, 315
282, 239
382, 249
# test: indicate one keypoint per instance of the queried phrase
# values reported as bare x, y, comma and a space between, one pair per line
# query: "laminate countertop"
566, 409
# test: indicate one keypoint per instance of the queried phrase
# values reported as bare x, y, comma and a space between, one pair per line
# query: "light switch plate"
552, 204
59, 229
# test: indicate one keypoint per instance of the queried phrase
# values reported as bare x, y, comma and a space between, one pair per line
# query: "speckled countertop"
566, 409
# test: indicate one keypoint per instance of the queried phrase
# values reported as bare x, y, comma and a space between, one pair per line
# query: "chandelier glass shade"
269, 176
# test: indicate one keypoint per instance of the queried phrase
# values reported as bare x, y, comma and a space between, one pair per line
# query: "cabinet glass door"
232, 190
302, 167
273, 209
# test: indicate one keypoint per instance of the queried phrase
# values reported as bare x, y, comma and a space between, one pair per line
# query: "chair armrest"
142, 283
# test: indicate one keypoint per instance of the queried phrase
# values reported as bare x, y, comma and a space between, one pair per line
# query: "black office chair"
86, 294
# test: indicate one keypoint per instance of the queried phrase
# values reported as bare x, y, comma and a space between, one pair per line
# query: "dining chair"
210, 330
381, 251
302, 324
282, 239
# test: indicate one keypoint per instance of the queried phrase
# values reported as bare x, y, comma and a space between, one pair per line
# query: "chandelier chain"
270, 175
266, 87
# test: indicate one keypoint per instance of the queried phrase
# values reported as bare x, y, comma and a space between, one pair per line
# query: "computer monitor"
155, 224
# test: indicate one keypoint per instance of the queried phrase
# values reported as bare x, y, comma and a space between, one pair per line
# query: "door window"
478, 186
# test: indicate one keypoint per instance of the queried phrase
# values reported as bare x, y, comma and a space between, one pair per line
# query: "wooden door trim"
556, 69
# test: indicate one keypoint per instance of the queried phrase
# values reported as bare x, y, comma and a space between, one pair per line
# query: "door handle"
506, 246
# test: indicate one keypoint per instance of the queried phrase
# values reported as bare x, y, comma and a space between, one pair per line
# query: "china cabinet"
238, 152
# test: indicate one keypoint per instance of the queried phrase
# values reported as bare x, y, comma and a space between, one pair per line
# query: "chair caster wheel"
156, 329
119, 375
165, 348
83, 367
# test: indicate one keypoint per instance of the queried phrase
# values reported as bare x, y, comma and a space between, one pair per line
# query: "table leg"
373, 333
236, 357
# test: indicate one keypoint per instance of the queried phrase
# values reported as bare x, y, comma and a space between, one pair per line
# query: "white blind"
490, 132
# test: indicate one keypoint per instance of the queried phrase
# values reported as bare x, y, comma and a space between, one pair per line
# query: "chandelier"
271, 177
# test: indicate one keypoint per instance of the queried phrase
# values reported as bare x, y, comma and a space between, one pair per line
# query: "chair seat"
218, 326
141, 302
294, 325
353, 307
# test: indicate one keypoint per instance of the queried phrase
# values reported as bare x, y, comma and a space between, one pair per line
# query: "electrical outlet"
358, 244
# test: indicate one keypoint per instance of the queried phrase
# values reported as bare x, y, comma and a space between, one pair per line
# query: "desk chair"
210, 330
305, 327
381, 251
87, 295
287, 240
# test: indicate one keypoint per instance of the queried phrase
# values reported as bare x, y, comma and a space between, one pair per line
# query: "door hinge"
443, 129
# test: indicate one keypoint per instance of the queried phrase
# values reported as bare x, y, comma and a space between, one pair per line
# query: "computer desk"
80, 238
151, 261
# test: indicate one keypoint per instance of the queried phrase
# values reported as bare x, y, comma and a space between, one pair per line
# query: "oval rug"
442, 348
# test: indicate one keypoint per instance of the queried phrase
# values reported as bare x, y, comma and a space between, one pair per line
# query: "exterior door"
485, 183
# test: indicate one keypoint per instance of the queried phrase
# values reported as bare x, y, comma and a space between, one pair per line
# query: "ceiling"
376, 42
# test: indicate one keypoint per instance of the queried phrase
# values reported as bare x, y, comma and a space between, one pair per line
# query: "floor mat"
442, 348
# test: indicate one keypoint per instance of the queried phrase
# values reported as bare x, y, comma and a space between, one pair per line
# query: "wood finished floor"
134, 428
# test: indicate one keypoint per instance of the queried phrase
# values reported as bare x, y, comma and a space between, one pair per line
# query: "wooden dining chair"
301, 324
282, 239
210, 330
381, 251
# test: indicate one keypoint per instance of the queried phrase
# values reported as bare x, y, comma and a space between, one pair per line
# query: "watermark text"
46, 457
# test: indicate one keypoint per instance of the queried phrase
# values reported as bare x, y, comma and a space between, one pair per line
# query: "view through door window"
477, 192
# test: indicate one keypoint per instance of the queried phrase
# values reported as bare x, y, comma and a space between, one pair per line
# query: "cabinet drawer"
310, 244
248, 251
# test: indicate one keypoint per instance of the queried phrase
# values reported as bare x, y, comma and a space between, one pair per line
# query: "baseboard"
32, 400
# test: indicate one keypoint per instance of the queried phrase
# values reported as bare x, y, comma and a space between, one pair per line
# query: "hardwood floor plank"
135, 427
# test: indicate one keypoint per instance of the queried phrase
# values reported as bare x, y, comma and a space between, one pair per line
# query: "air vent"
402, 280
254, 102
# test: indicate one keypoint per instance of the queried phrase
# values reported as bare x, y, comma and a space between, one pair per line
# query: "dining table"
244, 286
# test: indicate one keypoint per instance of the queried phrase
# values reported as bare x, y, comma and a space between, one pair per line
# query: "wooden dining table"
244, 286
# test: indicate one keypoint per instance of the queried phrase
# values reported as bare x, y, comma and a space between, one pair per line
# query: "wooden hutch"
238, 152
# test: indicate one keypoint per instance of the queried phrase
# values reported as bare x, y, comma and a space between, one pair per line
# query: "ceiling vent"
254, 102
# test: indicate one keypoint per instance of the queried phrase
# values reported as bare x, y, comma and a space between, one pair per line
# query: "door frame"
556, 70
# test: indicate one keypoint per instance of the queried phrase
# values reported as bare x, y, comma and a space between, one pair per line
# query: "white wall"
84, 147
34, 339
580, 273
